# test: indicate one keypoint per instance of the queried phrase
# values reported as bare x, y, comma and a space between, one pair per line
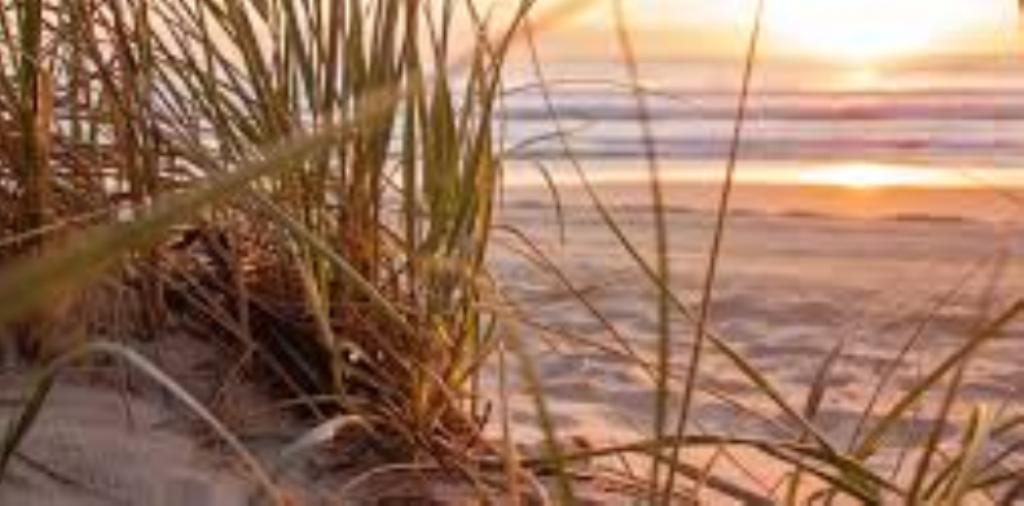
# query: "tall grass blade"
719, 233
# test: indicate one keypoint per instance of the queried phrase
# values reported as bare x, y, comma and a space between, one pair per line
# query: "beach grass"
339, 164
288, 114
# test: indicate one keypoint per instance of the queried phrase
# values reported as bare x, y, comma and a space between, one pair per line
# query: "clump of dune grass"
381, 235
338, 162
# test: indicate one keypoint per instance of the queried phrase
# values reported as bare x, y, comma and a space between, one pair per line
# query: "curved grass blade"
876, 436
20, 426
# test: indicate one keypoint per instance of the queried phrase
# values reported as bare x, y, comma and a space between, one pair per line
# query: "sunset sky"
847, 30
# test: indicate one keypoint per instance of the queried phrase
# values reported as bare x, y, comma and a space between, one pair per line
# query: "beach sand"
797, 278
93, 446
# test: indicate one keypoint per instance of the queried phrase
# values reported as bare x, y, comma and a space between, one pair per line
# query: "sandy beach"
795, 282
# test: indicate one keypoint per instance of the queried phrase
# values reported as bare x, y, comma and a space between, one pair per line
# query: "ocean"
954, 124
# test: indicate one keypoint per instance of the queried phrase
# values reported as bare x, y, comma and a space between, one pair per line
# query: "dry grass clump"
338, 155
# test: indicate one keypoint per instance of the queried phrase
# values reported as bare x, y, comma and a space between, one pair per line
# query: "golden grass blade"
539, 257
815, 396
864, 486
554, 454
664, 355
722, 215
876, 436
894, 364
959, 476
34, 282
931, 448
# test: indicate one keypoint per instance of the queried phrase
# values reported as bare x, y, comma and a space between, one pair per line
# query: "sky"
853, 31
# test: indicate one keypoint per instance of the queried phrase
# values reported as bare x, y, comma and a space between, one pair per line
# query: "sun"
866, 175
851, 33
865, 30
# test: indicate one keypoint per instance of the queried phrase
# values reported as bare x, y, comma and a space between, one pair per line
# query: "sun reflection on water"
868, 175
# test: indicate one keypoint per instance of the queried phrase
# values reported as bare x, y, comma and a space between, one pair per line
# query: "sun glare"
870, 175
850, 32
869, 30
